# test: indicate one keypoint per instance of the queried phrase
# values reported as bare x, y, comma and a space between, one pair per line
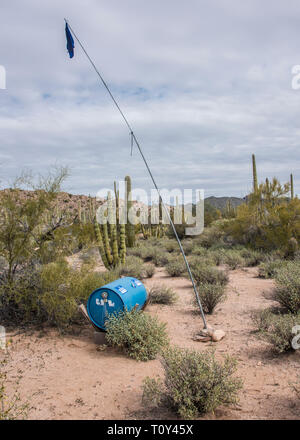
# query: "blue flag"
70, 41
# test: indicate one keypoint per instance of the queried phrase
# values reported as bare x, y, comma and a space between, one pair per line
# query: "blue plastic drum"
122, 294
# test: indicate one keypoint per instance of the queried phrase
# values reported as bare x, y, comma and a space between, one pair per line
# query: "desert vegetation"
194, 383
53, 255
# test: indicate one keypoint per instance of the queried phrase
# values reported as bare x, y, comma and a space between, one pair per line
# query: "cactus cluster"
87, 215
111, 239
267, 183
115, 235
154, 230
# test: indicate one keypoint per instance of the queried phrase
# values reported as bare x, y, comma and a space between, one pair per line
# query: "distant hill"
220, 202
71, 201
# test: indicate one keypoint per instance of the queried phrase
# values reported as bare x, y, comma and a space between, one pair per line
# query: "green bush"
205, 260
233, 259
133, 267
188, 246
287, 291
279, 331
269, 268
210, 295
269, 219
138, 334
211, 236
136, 251
63, 288
161, 258
262, 319
199, 250
162, 295
176, 267
218, 256
149, 252
211, 275
149, 270
49, 293
251, 257
195, 383
172, 245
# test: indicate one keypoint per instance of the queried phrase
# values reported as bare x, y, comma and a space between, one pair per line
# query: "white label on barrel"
100, 302
121, 289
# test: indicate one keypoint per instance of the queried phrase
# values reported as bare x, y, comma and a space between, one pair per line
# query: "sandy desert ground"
68, 377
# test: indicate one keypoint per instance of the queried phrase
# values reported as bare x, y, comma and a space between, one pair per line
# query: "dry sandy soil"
68, 378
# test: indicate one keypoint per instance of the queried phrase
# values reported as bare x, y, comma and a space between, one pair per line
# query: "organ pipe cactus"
130, 229
255, 184
111, 236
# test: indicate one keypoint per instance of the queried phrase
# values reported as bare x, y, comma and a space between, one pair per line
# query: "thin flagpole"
149, 171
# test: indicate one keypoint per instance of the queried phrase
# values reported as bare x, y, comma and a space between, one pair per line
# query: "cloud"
203, 86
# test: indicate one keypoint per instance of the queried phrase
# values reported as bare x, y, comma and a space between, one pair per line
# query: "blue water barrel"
124, 293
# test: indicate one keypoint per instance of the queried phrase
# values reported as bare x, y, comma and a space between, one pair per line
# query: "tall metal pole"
149, 171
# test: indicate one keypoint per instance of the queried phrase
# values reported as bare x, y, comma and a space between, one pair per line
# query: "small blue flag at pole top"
70, 41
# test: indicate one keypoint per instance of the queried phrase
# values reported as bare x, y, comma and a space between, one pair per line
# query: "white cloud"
204, 87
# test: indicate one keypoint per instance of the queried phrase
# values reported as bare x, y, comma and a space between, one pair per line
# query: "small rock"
217, 335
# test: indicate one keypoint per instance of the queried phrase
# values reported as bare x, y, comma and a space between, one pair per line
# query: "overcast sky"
203, 83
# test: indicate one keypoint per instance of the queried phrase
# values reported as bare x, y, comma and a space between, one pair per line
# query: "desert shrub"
171, 245
211, 275
161, 258
262, 319
287, 290
180, 229
233, 259
63, 288
188, 246
133, 267
205, 260
20, 298
210, 296
148, 252
279, 331
269, 219
176, 267
211, 236
49, 293
218, 256
140, 335
149, 270
195, 383
252, 257
269, 268
292, 248
10, 408
81, 236
160, 294
198, 250
136, 251
30, 228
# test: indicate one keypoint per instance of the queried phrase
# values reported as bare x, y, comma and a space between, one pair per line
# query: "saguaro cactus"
255, 184
130, 229
292, 186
